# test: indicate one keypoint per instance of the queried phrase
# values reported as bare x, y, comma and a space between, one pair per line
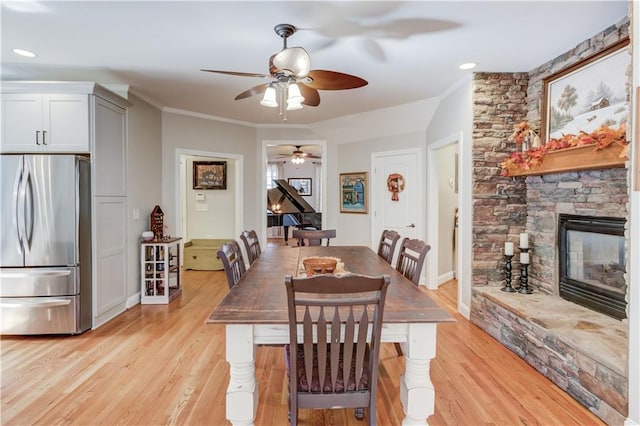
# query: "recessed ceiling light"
25, 53
467, 66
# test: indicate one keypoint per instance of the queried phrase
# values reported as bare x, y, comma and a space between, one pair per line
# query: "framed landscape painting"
353, 192
587, 95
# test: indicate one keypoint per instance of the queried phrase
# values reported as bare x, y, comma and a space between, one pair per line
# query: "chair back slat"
360, 350
411, 258
231, 257
322, 345
349, 344
387, 246
340, 319
251, 245
308, 344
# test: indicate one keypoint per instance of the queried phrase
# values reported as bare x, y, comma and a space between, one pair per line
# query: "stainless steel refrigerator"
45, 257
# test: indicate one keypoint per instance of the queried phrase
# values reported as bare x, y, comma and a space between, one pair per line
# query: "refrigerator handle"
18, 206
42, 302
25, 210
28, 212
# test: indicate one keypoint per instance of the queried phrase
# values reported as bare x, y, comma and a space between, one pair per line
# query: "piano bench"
201, 254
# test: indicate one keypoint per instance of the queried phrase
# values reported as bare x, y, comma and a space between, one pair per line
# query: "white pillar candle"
508, 248
524, 240
524, 258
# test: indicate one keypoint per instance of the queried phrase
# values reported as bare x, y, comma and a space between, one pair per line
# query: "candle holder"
507, 274
524, 276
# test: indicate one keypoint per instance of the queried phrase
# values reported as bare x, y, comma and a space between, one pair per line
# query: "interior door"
403, 213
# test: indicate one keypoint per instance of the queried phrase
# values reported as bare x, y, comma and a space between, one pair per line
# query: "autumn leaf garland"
600, 138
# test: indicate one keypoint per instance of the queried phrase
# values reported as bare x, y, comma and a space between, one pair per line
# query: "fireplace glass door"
592, 263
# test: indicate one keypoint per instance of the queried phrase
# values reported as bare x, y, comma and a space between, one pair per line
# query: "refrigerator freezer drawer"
40, 315
30, 282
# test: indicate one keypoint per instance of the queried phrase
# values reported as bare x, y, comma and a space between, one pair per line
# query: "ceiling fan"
298, 156
292, 80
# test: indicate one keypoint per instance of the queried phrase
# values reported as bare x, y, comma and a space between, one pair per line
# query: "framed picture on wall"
587, 95
209, 175
353, 192
302, 185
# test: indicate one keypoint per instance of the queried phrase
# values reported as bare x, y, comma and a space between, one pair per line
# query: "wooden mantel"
575, 159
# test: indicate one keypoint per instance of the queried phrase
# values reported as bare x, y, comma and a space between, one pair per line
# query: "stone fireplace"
580, 349
592, 263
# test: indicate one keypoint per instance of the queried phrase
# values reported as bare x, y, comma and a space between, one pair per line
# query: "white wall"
144, 177
447, 203
182, 132
215, 216
355, 229
305, 170
634, 246
455, 116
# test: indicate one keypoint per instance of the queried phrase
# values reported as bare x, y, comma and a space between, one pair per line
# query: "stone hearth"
581, 351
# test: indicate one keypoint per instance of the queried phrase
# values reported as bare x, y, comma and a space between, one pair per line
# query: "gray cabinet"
84, 118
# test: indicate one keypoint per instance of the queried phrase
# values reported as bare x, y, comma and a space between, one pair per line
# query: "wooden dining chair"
336, 330
387, 246
411, 258
410, 262
231, 257
252, 245
314, 237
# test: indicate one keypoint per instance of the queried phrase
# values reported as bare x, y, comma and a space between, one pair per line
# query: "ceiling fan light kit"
270, 97
293, 80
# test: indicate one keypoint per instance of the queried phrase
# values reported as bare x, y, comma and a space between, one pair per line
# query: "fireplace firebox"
592, 263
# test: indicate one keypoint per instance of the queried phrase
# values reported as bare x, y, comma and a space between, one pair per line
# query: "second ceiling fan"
292, 80
298, 155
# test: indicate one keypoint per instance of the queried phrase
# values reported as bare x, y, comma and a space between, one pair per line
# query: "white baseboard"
629, 422
464, 310
133, 300
446, 277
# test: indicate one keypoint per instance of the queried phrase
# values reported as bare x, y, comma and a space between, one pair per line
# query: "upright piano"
285, 207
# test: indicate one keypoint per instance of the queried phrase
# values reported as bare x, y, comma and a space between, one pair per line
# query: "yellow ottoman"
201, 255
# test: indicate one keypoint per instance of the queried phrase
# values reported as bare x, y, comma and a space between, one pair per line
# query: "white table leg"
242, 392
416, 390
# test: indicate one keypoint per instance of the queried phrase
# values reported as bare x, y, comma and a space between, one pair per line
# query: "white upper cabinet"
50, 123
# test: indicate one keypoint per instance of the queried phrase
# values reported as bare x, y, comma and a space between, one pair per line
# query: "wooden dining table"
255, 312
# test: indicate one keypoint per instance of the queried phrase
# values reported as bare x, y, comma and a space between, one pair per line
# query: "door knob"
413, 225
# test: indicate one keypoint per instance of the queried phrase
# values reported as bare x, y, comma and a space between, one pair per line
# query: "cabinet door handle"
37, 137
44, 137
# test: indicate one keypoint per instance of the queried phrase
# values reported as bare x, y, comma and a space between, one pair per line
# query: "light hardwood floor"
156, 365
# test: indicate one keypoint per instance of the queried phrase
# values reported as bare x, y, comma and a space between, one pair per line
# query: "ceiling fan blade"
239, 74
333, 80
256, 90
311, 95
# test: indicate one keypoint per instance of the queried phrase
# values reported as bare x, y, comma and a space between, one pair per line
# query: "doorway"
283, 150
199, 205
443, 200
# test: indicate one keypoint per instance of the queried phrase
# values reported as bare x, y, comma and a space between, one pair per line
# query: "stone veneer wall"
598, 193
501, 212
499, 203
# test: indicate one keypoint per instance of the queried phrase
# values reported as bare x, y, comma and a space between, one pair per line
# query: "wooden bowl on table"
319, 265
